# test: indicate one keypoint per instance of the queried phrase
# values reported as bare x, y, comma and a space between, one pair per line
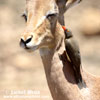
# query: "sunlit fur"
47, 34
38, 26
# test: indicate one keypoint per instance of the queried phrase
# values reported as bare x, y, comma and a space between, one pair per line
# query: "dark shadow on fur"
69, 71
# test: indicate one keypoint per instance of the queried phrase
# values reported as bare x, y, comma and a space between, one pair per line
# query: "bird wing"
73, 51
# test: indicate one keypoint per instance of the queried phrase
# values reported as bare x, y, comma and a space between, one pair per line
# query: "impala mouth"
33, 48
28, 45
29, 48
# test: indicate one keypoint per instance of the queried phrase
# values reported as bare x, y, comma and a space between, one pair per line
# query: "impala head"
41, 18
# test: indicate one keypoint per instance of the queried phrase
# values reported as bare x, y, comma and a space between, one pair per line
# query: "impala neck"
60, 76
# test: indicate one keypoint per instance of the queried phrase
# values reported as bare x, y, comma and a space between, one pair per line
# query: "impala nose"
23, 43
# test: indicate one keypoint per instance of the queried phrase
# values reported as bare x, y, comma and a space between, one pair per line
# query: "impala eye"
50, 16
24, 16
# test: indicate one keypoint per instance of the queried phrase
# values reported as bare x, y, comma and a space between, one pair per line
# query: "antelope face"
41, 20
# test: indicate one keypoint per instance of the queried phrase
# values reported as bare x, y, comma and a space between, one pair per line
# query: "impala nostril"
28, 39
22, 43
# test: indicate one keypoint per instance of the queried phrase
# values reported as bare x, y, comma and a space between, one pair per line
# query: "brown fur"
59, 73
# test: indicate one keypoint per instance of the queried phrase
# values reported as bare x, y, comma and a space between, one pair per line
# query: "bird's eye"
24, 16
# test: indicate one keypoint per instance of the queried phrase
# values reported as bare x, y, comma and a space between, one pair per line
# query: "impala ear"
61, 3
71, 3
66, 4
54, 7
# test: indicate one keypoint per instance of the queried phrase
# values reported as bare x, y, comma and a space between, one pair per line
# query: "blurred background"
20, 70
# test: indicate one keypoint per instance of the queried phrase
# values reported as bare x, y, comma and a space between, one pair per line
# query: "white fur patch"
85, 92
